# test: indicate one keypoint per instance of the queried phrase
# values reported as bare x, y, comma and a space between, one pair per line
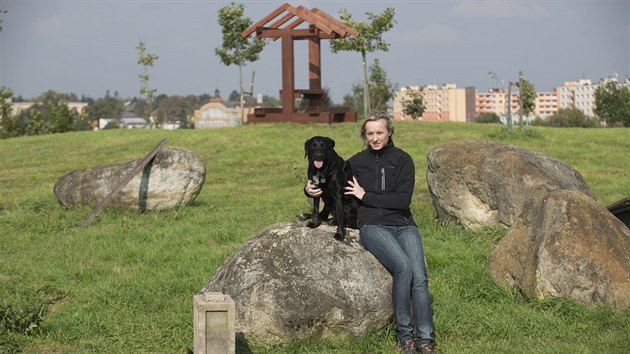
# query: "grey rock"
293, 282
566, 245
173, 178
480, 183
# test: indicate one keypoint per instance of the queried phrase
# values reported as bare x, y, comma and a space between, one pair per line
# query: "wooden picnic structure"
320, 26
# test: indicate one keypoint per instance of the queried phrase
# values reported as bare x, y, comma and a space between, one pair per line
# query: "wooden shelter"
320, 26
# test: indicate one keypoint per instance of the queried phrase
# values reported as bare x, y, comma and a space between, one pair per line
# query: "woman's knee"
403, 269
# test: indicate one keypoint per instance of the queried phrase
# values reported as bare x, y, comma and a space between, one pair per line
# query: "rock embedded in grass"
173, 178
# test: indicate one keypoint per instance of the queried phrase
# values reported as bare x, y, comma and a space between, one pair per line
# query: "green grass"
125, 283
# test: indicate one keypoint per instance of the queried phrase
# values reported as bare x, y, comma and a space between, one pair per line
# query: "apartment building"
546, 104
493, 101
581, 94
442, 103
577, 94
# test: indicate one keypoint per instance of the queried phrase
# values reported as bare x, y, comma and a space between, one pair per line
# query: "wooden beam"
330, 22
282, 20
343, 27
251, 29
298, 21
311, 18
277, 33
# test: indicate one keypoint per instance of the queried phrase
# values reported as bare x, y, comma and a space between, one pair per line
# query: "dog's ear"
332, 142
306, 147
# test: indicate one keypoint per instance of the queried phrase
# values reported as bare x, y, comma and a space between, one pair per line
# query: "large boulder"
292, 282
174, 177
566, 245
480, 183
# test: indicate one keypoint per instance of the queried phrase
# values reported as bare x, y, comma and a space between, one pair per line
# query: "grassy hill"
125, 283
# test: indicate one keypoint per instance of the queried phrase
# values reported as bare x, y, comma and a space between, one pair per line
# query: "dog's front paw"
313, 224
305, 216
339, 237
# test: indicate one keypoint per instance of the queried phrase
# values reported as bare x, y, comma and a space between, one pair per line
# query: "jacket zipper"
383, 178
382, 171
376, 179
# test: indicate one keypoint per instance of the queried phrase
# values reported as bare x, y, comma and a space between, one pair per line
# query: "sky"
88, 47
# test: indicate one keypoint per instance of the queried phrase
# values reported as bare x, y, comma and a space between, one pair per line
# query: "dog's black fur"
332, 176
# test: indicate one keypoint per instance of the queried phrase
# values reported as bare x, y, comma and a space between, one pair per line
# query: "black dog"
331, 173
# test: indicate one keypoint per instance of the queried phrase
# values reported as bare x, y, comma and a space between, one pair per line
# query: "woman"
384, 178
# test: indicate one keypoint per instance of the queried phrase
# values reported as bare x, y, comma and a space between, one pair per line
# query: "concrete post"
214, 320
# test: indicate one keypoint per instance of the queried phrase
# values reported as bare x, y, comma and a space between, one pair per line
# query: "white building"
577, 94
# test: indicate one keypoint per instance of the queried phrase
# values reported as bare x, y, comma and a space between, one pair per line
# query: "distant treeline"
51, 112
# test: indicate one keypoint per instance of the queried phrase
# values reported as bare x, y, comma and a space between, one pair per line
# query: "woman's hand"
353, 188
312, 190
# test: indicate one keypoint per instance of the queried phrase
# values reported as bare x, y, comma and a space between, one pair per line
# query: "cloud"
500, 9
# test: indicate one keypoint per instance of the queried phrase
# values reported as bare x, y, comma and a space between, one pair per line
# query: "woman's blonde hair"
374, 116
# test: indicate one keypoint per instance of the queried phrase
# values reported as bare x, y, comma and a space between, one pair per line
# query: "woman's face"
376, 134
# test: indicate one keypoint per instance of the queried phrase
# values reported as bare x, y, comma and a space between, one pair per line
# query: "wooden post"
314, 68
288, 74
122, 183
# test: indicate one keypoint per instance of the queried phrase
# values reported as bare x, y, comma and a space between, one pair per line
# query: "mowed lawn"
124, 284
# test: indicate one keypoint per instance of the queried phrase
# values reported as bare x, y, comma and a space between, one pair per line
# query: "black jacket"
388, 178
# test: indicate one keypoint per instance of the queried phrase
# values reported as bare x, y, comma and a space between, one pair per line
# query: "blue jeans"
399, 249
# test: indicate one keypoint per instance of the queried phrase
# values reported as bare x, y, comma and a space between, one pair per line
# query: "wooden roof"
295, 16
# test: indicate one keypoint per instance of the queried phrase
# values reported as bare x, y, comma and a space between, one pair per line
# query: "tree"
571, 117
8, 123
413, 105
354, 99
106, 107
60, 118
488, 117
140, 107
270, 101
54, 97
236, 49
527, 98
369, 40
36, 123
81, 122
234, 96
2, 12
380, 88
147, 60
612, 103
176, 108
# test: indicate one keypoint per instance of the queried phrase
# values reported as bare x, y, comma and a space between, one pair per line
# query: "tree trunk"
508, 117
240, 84
366, 88
520, 101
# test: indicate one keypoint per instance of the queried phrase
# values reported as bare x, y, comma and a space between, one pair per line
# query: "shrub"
488, 118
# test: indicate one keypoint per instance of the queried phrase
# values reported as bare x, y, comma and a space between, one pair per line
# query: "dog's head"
319, 150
